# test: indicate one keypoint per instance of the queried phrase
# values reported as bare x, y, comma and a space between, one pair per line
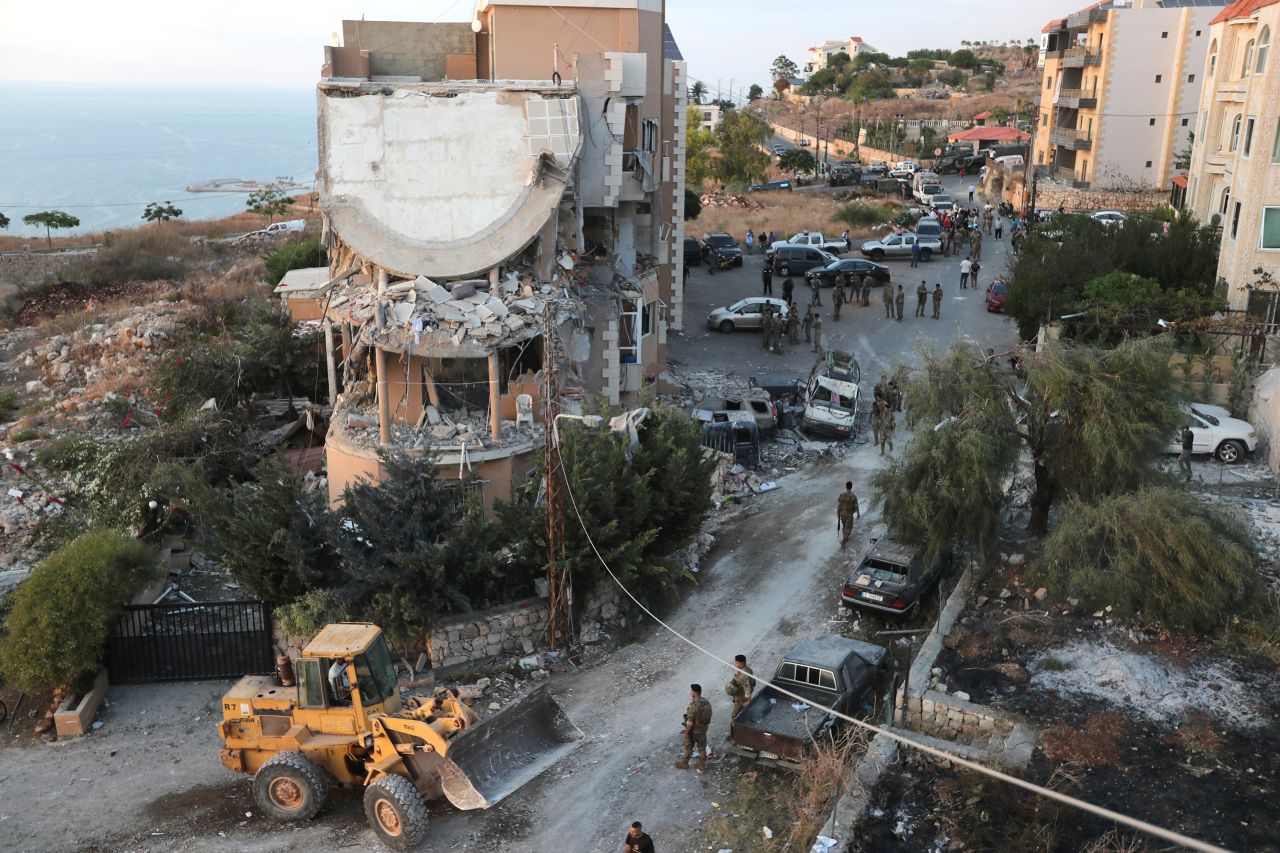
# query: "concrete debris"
720, 198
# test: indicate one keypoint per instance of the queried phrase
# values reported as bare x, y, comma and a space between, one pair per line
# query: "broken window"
650, 134
517, 361
648, 319
629, 332
462, 383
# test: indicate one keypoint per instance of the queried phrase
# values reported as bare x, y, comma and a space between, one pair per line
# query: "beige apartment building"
1235, 167
1120, 85
820, 55
500, 197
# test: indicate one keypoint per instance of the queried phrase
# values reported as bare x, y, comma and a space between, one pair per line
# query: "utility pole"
558, 584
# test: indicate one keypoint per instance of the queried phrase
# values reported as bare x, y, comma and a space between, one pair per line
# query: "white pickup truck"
834, 245
277, 228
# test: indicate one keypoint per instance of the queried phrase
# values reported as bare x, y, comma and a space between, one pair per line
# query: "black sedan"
725, 245
853, 268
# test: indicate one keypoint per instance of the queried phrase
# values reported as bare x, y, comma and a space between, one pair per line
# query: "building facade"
1235, 166
821, 54
1120, 85
500, 198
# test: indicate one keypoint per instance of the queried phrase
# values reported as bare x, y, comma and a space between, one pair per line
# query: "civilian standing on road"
900, 301
888, 301
766, 278
999, 226
937, 300
697, 717
773, 238
1184, 458
750, 241
846, 509
971, 189
637, 840
973, 274
922, 296
915, 253
966, 266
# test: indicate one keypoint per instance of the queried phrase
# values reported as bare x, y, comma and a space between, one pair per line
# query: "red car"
996, 292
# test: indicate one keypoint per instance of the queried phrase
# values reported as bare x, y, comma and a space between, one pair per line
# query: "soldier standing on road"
922, 296
793, 324
837, 297
808, 324
817, 332
815, 285
888, 301
887, 427
697, 717
637, 840
766, 278
937, 300
876, 405
766, 326
846, 509
894, 396
788, 287
899, 301
976, 250
866, 291
740, 686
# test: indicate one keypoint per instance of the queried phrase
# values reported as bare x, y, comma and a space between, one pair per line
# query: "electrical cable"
1066, 799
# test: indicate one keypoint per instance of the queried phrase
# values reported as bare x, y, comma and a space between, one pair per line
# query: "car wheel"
1230, 452
877, 255
726, 326
739, 263
784, 270
290, 786
924, 254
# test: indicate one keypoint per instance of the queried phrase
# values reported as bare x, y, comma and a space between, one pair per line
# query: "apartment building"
1235, 166
821, 54
500, 198
1121, 84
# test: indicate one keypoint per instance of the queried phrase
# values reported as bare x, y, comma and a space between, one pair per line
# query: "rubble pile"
720, 198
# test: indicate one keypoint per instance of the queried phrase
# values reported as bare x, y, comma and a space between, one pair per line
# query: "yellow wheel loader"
344, 723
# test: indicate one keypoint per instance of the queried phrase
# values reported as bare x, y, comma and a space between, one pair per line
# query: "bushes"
59, 618
294, 256
1160, 552
143, 254
856, 214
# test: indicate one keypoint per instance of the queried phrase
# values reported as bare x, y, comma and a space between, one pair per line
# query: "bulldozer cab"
348, 665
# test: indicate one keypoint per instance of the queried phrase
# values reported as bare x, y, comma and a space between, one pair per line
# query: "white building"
821, 54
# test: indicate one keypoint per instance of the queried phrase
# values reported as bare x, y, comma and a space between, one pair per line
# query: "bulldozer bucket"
490, 760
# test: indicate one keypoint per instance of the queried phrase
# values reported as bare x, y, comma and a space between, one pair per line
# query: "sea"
103, 152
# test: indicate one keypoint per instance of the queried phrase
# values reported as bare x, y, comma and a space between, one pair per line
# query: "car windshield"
930, 189
940, 199
1208, 417
998, 287
835, 266
737, 305
720, 240
882, 570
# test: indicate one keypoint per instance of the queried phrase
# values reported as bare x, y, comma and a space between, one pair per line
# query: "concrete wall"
408, 48
522, 38
27, 269
513, 629
1264, 414
947, 716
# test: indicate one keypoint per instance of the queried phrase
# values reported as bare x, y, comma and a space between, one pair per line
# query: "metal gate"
186, 642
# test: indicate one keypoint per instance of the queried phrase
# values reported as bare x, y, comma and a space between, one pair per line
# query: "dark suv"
723, 243
892, 578
692, 252
798, 260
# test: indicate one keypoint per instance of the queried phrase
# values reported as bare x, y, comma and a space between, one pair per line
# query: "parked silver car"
744, 314
900, 246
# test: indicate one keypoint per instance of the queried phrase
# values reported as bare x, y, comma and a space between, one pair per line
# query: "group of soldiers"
895, 302
779, 330
884, 409
697, 717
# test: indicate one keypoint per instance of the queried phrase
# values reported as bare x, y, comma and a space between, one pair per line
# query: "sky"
240, 44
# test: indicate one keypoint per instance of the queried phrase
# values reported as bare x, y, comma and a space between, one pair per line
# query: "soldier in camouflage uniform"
846, 509
697, 717
740, 686
766, 326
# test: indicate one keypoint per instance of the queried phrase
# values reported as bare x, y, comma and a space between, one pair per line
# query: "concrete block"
74, 720
986, 723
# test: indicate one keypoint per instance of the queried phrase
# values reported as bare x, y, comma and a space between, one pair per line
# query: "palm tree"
697, 91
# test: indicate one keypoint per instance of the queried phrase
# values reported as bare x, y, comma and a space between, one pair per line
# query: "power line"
1066, 799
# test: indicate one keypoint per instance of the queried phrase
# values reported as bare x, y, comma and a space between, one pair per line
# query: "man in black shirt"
637, 840
1188, 442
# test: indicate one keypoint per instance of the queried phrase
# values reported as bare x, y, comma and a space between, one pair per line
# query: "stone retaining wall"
27, 269
949, 716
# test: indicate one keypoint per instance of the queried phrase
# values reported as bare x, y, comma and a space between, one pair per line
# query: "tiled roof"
1180, 181
989, 134
1242, 9
985, 114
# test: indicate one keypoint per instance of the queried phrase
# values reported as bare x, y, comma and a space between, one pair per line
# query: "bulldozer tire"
396, 812
289, 786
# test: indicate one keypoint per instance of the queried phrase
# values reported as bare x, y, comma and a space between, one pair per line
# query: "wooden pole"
495, 398
329, 362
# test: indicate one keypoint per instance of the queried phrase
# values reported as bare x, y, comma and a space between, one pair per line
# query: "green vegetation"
755, 93
303, 618
1121, 279
797, 160
697, 91
1158, 552
59, 618
25, 434
4, 222
783, 69
157, 212
857, 214
139, 255
692, 205
268, 202
9, 400
700, 144
740, 160
294, 256
51, 220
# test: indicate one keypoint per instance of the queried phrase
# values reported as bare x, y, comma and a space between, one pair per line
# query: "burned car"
831, 395
893, 577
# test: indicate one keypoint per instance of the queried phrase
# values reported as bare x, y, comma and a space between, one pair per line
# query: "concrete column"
433, 393
380, 361
329, 363
493, 281
495, 398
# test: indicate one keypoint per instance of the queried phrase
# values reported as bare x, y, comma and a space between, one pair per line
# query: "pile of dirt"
720, 198
69, 297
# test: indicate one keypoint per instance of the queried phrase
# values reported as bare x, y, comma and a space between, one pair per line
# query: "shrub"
303, 618
142, 254
24, 434
294, 256
1160, 552
856, 214
8, 403
70, 453
59, 617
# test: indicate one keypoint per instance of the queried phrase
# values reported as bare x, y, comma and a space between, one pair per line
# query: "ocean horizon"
102, 153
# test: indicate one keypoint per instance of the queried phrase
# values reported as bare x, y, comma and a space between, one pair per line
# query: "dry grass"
784, 213
237, 223
1115, 841
1197, 735
1096, 744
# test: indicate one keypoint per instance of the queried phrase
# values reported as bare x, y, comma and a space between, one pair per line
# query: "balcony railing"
1083, 19
1079, 57
1076, 98
1062, 173
1068, 137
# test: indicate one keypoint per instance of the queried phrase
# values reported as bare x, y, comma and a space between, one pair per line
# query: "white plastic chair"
524, 409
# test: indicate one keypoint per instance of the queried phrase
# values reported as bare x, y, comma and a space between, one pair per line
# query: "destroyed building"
483, 184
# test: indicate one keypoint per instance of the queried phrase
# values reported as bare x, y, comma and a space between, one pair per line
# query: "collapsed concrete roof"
443, 180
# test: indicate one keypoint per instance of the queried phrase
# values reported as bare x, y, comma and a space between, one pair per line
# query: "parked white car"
904, 169
744, 314
1109, 217
1215, 432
